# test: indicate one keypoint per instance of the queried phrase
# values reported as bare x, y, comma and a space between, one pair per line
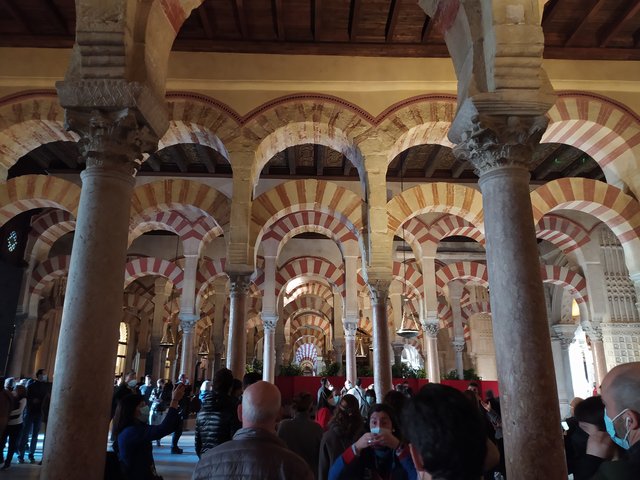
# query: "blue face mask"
611, 430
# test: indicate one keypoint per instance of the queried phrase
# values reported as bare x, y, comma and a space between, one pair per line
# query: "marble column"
237, 341
430, 336
110, 142
187, 357
458, 348
350, 332
597, 349
158, 328
338, 351
563, 396
379, 292
501, 148
397, 348
269, 348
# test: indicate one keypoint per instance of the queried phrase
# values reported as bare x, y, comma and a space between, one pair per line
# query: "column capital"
398, 347
379, 290
594, 332
188, 322
458, 345
491, 142
350, 330
431, 329
269, 321
239, 283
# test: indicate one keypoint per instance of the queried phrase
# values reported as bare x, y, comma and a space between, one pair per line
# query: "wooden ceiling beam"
290, 158
61, 154
432, 161
392, 22
353, 20
279, 19
319, 156
209, 161
608, 35
457, 168
57, 16
18, 15
203, 15
545, 167
316, 17
551, 10
404, 155
241, 19
181, 157
579, 166
426, 29
592, 12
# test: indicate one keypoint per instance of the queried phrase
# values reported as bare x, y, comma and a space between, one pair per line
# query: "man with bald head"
621, 397
255, 452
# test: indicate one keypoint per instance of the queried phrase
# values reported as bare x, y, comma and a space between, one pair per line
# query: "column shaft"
268, 354
187, 360
237, 342
599, 361
521, 333
381, 342
90, 328
350, 330
18, 346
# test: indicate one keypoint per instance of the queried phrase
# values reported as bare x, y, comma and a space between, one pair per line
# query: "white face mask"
132, 383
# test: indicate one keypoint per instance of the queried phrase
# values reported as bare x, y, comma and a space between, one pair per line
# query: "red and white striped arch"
208, 271
173, 194
575, 283
304, 195
417, 234
307, 320
562, 232
452, 225
438, 197
473, 308
306, 303
28, 192
619, 211
310, 267
175, 221
138, 303
600, 127
474, 271
311, 221
313, 288
47, 271
49, 228
142, 267
409, 277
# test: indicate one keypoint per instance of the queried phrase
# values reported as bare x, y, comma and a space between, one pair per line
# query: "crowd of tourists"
243, 431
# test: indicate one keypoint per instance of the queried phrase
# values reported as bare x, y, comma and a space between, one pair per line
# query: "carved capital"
379, 291
458, 345
594, 332
239, 284
495, 141
187, 326
269, 322
350, 330
113, 140
431, 329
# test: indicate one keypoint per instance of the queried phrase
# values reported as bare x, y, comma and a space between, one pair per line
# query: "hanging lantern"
360, 348
204, 349
408, 327
167, 339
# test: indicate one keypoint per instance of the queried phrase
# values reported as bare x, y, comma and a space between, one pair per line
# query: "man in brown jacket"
255, 451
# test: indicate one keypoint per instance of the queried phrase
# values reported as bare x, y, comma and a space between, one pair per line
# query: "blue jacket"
135, 449
393, 465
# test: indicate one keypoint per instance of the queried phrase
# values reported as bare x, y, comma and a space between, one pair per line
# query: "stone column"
563, 395
158, 328
379, 292
237, 341
500, 148
397, 348
269, 348
338, 351
111, 141
187, 357
597, 349
430, 336
350, 332
458, 348
18, 345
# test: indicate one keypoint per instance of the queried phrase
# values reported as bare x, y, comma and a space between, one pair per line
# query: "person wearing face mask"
37, 391
133, 437
379, 453
14, 426
621, 397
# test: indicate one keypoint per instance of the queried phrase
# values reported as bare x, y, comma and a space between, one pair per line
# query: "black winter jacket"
216, 422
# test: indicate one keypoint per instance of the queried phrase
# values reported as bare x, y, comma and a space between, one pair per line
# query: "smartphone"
565, 426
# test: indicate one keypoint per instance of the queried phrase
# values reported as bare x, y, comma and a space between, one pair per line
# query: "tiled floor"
171, 467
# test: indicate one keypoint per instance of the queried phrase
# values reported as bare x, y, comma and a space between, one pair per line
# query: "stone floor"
171, 467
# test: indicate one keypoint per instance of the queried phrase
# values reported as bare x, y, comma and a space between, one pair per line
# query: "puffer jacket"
253, 454
216, 422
